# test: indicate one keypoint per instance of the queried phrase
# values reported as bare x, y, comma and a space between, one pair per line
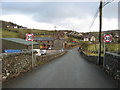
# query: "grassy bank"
92, 54
109, 47
92, 49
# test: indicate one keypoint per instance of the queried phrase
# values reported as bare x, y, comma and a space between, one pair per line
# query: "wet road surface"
68, 71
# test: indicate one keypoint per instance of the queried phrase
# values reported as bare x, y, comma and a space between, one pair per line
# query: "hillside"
10, 30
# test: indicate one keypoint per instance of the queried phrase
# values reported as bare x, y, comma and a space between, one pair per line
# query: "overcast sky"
76, 16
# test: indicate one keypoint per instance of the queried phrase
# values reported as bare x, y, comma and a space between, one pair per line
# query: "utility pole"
100, 29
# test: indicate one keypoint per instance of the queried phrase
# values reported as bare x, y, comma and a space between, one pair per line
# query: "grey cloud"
60, 11
51, 11
111, 10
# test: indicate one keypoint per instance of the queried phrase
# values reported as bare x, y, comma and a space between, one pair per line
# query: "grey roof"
45, 39
87, 36
21, 41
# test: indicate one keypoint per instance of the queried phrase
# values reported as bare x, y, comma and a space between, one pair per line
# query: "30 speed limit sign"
29, 37
107, 38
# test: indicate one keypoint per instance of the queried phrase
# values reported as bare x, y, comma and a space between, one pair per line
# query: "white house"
92, 38
15, 26
89, 38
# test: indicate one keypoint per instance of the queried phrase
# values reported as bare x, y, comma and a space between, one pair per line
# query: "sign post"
30, 37
107, 38
32, 55
104, 56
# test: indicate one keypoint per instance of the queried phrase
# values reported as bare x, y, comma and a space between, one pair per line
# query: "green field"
92, 54
93, 49
19, 33
7, 34
109, 47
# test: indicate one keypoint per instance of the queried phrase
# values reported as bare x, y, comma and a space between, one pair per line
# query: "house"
22, 27
15, 26
89, 38
46, 42
117, 37
80, 34
92, 38
65, 32
59, 43
17, 43
12, 26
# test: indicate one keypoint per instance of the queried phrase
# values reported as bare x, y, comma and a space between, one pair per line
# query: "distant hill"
10, 29
113, 32
6, 25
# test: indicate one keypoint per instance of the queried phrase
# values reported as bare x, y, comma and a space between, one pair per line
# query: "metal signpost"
30, 37
107, 38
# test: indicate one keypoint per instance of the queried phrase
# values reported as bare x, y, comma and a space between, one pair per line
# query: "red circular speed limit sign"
29, 37
107, 38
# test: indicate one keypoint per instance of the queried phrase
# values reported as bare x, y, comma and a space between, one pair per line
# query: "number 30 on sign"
29, 37
107, 38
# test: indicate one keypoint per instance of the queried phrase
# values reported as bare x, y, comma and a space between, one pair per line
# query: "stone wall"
93, 59
14, 64
112, 64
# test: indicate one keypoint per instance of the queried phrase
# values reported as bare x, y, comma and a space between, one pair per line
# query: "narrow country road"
69, 71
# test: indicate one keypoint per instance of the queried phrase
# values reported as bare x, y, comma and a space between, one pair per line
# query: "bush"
113, 47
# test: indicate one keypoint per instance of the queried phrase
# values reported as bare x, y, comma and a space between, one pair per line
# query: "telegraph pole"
100, 29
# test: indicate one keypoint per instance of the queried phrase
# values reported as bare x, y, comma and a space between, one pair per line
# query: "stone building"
54, 43
59, 43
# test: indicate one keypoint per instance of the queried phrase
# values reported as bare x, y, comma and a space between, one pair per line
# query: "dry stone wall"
14, 64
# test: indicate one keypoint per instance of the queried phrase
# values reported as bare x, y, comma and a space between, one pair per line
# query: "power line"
97, 12
94, 18
105, 3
